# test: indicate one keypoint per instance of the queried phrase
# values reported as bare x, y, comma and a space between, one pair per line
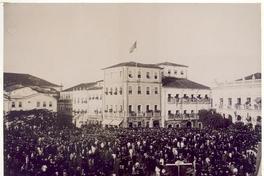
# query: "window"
169, 72
111, 91
106, 91
147, 108
115, 91
148, 75
139, 90
155, 75
139, 74
20, 104
206, 96
130, 90
239, 101
13, 104
121, 108
175, 72
156, 90
192, 111
139, 108
248, 100
106, 108
221, 101
50, 104
130, 108
177, 111
130, 74
169, 112
147, 91
156, 107
120, 74
120, 91
38, 104
185, 112
44, 104
229, 101
182, 72
177, 96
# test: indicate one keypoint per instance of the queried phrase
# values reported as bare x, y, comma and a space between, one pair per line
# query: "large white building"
132, 95
239, 100
23, 92
83, 102
138, 95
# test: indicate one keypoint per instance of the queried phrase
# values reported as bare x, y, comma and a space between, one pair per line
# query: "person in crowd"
35, 145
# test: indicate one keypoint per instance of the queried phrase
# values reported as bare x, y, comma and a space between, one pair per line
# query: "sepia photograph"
132, 89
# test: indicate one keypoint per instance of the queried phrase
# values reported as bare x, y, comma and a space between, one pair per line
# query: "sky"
69, 44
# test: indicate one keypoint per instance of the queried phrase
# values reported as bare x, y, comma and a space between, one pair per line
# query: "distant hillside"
11, 79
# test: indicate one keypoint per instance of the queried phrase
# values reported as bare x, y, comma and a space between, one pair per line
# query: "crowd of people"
35, 145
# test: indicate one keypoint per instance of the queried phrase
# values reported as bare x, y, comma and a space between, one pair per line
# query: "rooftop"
82, 86
251, 77
181, 83
134, 64
171, 64
12, 79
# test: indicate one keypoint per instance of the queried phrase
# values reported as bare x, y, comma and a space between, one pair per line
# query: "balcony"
144, 114
183, 100
190, 116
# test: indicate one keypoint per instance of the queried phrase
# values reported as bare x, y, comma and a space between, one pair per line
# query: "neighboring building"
132, 95
26, 98
173, 70
26, 92
239, 100
83, 102
181, 98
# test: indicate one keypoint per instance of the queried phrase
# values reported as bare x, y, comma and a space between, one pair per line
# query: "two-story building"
239, 100
132, 95
23, 92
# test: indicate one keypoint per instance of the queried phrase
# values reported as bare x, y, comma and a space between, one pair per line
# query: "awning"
107, 121
116, 122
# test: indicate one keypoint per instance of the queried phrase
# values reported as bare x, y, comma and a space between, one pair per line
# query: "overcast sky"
70, 44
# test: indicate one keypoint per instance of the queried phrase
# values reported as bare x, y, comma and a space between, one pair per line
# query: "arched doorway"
169, 126
189, 124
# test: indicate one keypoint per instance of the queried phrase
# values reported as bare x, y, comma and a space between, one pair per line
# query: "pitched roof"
171, 64
181, 83
11, 79
81, 86
250, 77
134, 64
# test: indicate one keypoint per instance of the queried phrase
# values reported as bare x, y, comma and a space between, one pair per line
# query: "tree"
212, 119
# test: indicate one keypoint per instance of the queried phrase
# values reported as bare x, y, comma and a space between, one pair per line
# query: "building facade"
26, 98
239, 100
182, 99
82, 102
132, 95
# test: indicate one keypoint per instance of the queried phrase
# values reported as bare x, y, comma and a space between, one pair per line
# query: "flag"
133, 47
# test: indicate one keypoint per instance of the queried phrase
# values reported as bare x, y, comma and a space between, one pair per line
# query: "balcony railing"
145, 114
172, 100
242, 107
183, 116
